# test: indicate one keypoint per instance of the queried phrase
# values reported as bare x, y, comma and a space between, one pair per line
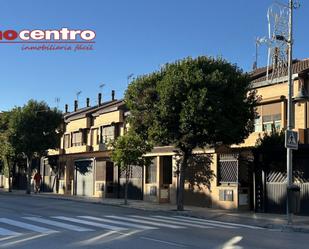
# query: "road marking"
90, 223
202, 223
144, 222
163, 241
220, 222
6, 232
166, 220
59, 224
118, 222
231, 244
27, 226
20, 241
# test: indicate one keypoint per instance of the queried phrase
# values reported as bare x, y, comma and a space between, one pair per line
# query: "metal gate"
135, 187
271, 193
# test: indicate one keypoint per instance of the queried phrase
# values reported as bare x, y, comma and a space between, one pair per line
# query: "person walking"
37, 182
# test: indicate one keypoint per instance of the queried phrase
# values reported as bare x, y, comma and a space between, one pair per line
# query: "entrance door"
166, 168
110, 189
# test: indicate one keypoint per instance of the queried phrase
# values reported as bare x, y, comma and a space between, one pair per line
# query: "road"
44, 223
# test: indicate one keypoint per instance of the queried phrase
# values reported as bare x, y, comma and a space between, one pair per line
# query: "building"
269, 188
85, 168
82, 163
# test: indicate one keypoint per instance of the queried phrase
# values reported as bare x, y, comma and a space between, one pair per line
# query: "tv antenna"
77, 95
57, 100
258, 42
129, 77
101, 87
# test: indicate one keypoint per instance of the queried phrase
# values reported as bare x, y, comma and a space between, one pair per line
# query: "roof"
298, 66
94, 110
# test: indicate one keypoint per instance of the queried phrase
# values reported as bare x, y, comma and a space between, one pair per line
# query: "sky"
132, 37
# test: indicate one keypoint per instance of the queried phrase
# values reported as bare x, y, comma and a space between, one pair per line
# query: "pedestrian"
37, 182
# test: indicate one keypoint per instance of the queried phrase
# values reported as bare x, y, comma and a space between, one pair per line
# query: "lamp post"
290, 108
290, 127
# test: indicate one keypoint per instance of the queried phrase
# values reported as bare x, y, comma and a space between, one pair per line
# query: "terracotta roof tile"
259, 74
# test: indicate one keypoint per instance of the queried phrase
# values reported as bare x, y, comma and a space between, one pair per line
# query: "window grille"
228, 168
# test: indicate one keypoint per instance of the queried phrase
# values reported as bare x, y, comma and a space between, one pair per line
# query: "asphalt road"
43, 223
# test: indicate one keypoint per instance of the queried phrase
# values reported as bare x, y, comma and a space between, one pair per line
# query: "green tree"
192, 103
7, 151
128, 151
35, 129
270, 152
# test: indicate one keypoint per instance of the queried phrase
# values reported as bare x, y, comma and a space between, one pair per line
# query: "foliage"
36, 128
192, 103
28, 132
129, 150
7, 151
269, 151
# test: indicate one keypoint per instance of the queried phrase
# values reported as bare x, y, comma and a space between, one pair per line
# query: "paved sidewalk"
273, 221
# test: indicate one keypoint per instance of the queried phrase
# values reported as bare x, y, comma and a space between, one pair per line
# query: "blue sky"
135, 36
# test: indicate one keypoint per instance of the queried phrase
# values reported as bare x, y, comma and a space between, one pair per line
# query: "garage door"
84, 177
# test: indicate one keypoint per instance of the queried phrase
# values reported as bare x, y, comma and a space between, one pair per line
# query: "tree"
7, 151
192, 103
128, 151
269, 151
35, 129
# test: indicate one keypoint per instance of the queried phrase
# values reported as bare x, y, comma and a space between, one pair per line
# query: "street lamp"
290, 127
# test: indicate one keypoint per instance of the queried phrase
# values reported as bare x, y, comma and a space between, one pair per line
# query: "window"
269, 118
258, 125
151, 172
107, 134
77, 138
67, 141
227, 168
272, 122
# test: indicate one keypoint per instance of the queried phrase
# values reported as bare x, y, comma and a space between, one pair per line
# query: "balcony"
55, 152
101, 147
80, 148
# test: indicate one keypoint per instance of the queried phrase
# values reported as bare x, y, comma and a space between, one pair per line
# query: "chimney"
66, 108
75, 105
87, 102
113, 95
99, 98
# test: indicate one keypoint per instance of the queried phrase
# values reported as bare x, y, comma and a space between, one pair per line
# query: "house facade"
269, 185
84, 166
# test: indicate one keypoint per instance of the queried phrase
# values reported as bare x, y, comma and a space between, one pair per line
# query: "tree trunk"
181, 186
126, 187
10, 182
9, 173
28, 191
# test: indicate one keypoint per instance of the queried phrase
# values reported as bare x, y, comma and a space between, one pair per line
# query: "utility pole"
289, 160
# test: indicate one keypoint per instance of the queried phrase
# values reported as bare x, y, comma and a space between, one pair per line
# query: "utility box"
294, 198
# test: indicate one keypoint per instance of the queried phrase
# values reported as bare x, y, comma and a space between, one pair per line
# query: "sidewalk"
266, 220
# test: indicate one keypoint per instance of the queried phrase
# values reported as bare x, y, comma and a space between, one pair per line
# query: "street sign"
291, 139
